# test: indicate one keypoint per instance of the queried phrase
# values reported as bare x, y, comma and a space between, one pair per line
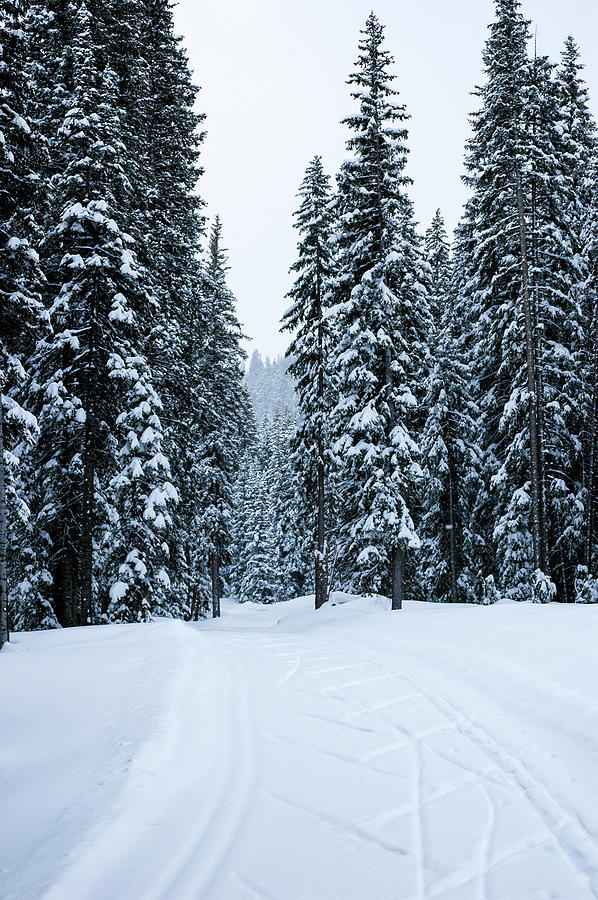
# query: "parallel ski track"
177, 819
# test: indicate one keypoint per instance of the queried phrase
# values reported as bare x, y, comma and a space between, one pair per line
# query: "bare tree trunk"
320, 577
195, 603
398, 576
530, 351
215, 572
4, 625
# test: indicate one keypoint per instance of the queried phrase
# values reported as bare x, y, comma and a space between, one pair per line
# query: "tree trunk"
195, 603
215, 572
592, 461
4, 625
538, 332
64, 583
398, 577
321, 579
87, 525
530, 352
89, 472
452, 537
397, 555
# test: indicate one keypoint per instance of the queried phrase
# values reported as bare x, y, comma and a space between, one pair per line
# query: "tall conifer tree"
91, 366
450, 457
522, 286
309, 349
381, 324
225, 412
21, 311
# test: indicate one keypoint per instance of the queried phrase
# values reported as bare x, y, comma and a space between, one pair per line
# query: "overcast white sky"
272, 74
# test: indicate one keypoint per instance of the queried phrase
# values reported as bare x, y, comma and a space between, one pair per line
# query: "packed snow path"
281, 754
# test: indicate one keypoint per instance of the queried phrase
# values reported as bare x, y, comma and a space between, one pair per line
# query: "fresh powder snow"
277, 753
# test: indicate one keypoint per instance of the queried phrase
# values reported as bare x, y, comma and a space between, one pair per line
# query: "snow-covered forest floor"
277, 753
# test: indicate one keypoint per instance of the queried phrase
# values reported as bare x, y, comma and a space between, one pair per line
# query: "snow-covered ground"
439, 752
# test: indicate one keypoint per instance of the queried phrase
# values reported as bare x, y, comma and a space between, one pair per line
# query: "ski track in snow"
184, 808
335, 756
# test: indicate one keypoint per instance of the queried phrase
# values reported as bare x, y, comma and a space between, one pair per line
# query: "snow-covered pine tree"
308, 353
161, 130
450, 458
270, 386
437, 249
95, 288
578, 135
259, 582
587, 576
21, 311
291, 531
143, 496
521, 284
556, 284
237, 562
494, 284
172, 224
266, 492
225, 413
380, 329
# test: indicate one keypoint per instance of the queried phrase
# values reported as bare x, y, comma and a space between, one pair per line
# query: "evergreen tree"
21, 311
450, 458
164, 136
225, 413
238, 559
521, 286
556, 307
495, 156
266, 519
291, 534
380, 328
308, 351
578, 136
143, 497
96, 293
269, 386
578, 133
587, 575
437, 249
259, 581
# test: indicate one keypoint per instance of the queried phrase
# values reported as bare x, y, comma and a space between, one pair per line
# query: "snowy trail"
183, 793
282, 755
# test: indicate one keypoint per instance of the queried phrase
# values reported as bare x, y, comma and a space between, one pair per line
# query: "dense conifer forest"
432, 433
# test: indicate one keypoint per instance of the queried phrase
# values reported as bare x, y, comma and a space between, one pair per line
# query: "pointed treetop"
314, 192
438, 255
217, 258
371, 67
